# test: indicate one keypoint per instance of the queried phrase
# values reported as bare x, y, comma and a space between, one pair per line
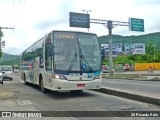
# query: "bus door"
36, 70
48, 61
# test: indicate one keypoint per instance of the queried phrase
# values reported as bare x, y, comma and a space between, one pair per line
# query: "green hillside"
147, 38
8, 59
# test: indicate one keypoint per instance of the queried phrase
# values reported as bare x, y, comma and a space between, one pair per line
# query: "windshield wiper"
83, 58
73, 60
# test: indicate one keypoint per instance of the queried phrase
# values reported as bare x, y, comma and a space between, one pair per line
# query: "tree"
1, 35
150, 48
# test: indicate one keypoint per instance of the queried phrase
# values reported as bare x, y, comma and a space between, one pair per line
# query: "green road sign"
136, 24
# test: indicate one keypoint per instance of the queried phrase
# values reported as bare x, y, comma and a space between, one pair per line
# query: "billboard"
116, 49
134, 48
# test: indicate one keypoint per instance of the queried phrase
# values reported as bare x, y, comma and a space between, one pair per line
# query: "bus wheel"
2, 82
41, 85
25, 82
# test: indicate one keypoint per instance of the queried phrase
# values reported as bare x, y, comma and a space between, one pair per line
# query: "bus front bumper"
61, 85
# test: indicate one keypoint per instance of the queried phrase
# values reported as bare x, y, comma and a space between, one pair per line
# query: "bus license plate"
80, 85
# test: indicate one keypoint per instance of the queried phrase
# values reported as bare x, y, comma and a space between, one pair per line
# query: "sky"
32, 19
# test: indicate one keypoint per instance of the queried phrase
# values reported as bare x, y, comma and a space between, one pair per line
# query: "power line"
12, 11
12, 17
18, 16
15, 16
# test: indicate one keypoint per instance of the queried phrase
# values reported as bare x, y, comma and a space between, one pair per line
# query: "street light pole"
110, 47
87, 11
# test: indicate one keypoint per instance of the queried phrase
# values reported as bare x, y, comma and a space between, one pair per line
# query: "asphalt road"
151, 88
29, 98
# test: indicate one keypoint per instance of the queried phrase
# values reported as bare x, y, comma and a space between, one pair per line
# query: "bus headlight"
62, 77
98, 77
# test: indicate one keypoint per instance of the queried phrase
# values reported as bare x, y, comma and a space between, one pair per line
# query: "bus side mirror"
50, 50
41, 62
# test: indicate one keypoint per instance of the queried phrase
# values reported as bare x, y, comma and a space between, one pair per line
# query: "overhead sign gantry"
83, 20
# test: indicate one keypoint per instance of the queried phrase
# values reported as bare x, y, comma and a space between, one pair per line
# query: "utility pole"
110, 47
110, 25
0, 36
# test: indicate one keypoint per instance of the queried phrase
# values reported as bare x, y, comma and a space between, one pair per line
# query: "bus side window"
41, 62
48, 53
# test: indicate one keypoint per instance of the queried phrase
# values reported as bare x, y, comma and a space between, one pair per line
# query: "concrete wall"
145, 66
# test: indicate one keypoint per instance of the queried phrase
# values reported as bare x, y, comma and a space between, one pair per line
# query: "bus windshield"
76, 52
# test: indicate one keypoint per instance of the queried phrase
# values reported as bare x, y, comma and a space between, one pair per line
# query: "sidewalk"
155, 72
151, 78
135, 75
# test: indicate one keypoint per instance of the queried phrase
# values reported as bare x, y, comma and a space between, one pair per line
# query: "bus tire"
2, 82
41, 85
25, 82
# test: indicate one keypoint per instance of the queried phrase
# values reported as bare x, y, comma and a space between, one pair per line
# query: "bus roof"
71, 31
57, 31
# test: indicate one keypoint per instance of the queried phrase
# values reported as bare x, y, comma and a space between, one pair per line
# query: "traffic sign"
79, 20
136, 24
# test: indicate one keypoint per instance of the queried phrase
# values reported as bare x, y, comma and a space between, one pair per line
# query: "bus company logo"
90, 75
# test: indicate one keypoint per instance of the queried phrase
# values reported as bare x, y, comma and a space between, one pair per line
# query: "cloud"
58, 18
148, 2
45, 24
13, 51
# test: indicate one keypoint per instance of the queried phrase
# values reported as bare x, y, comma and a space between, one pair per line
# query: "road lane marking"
24, 102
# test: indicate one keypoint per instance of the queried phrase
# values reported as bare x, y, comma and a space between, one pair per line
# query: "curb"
154, 80
138, 74
154, 77
141, 98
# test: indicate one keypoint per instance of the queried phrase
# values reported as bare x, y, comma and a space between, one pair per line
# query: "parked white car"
1, 77
7, 72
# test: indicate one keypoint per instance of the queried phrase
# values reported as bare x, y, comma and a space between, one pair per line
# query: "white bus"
63, 61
